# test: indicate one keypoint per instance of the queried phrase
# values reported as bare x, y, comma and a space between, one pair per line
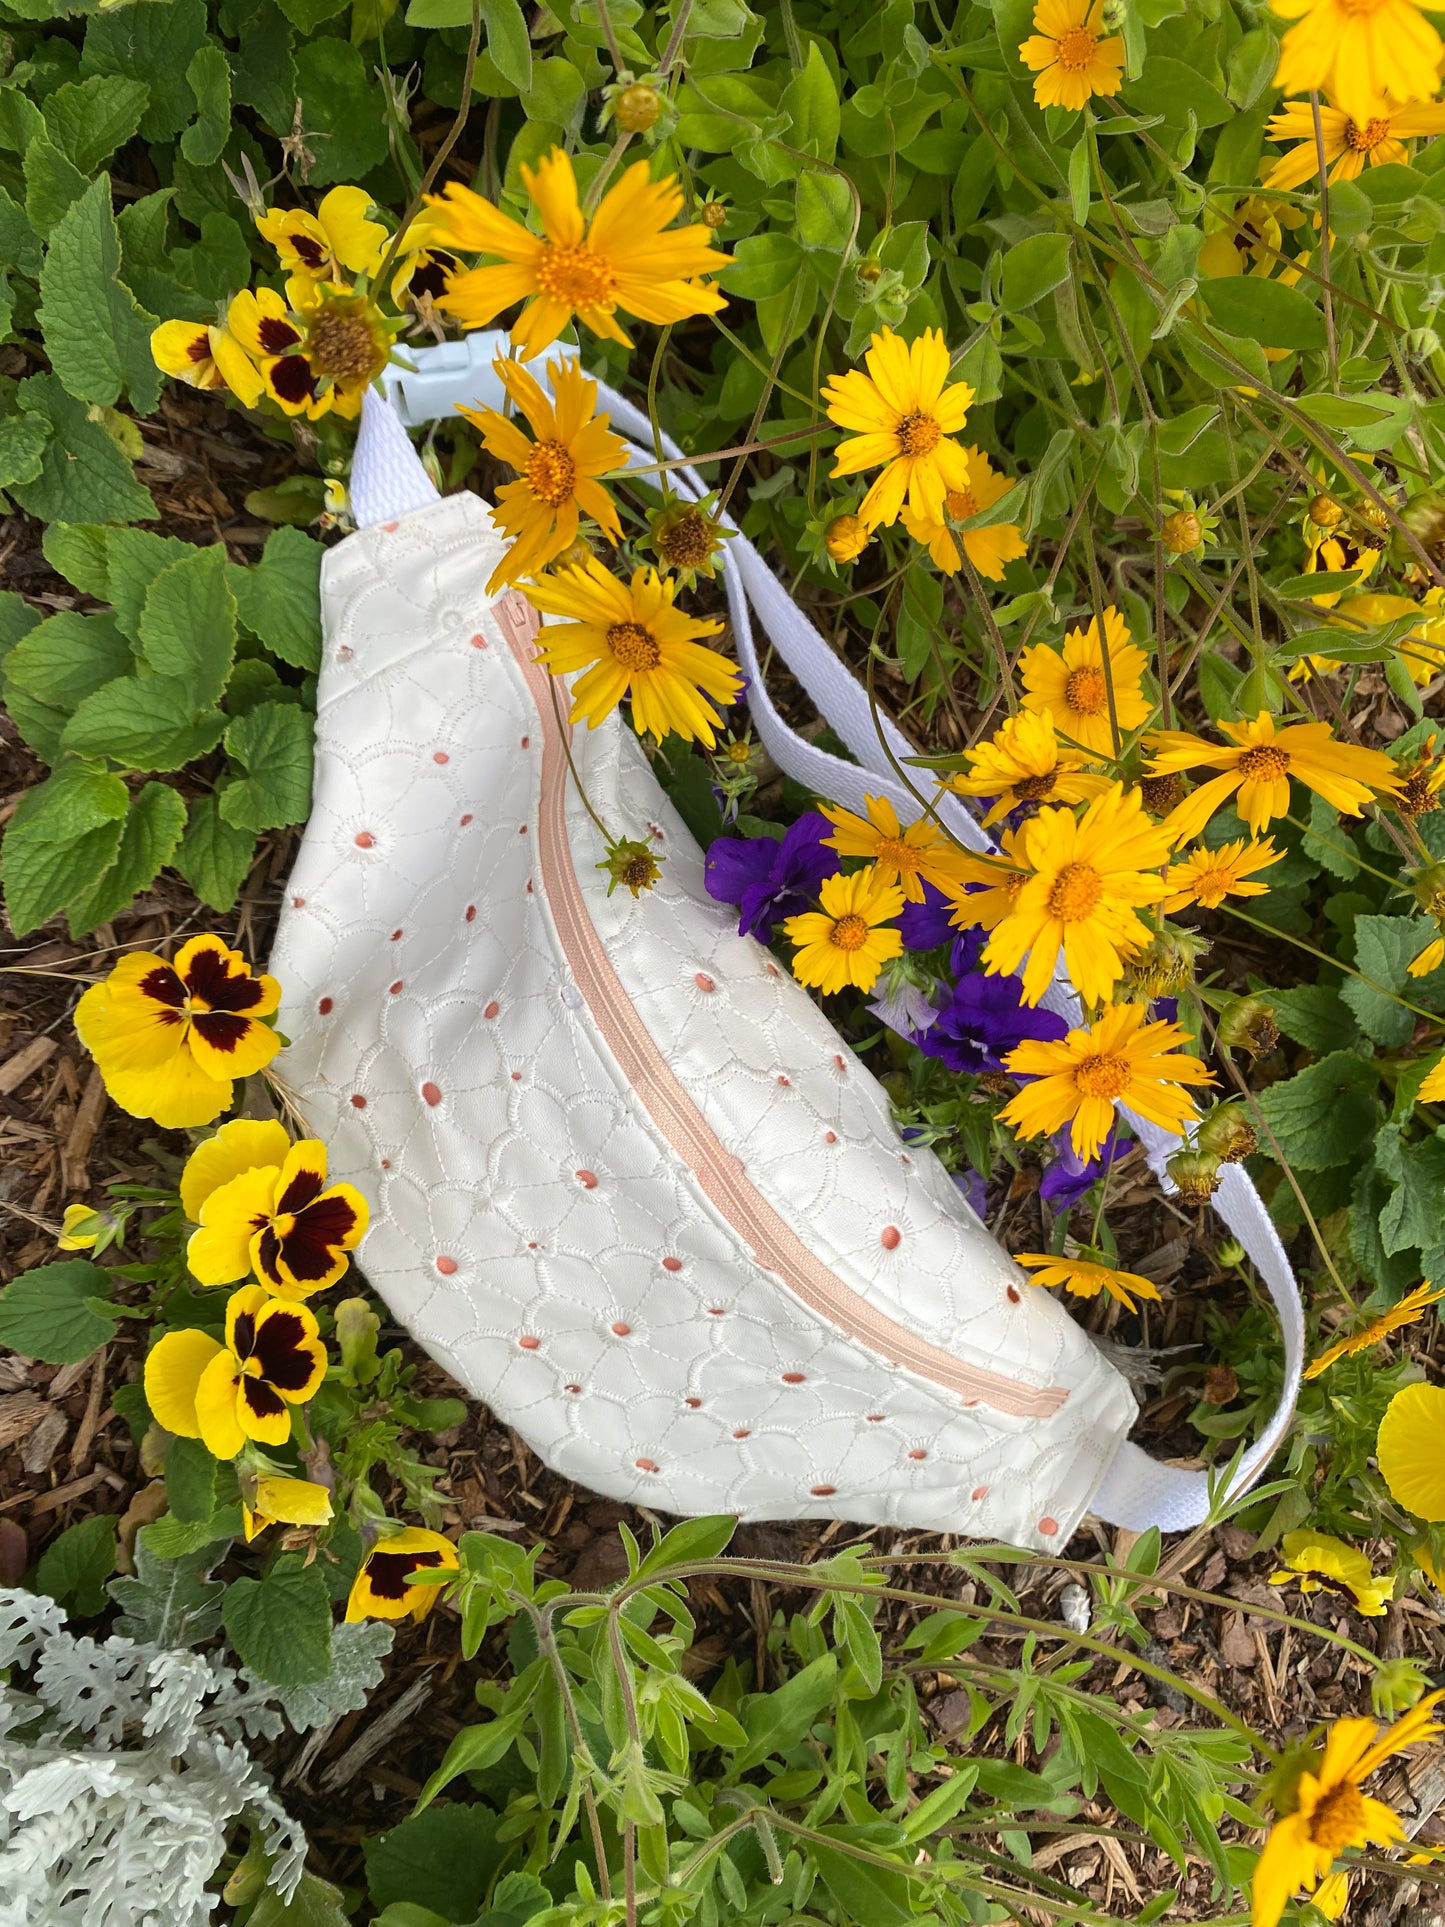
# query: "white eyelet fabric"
535, 1222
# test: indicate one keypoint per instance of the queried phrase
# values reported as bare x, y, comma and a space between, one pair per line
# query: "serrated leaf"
135, 557
340, 105
281, 1624
77, 550
153, 44
144, 722
1411, 1217
74, 1567
68, 658
1384, 949
60, 841
1323, 1115
83, 475
44, 1314
187, 626
190, 1480
357, 1650
214, 855
96, 333
209, 77
171, 1602
53, 184
17, 619
315, 1903
1313, 1015
22, 448
149, 837
443, 1858
279, 597
89, 119
273, 744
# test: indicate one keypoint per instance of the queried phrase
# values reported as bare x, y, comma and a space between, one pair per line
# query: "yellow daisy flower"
903, 416
557, 484
990, 549
1120, 1059
1358, 52
1368, 1336
984, 889
1324, 1564
1258, 767
169, 1038
630, 640
345, 344
910, 858
1331, 1813
282, 1222
850, 939
1023, 762
1430, 958
206, 357
1420, 780
625, 257
336, 240
1407, 1450
225, 1394
1377, 139
1086, 1277
269, 1500
1086, 879
1069, 54
1207, 877
1071, 683
1358, 545
380, 1589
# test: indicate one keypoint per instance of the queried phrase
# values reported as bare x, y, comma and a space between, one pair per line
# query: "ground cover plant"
1078, 368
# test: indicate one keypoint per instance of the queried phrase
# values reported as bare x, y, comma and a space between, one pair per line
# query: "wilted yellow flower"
1320, 1563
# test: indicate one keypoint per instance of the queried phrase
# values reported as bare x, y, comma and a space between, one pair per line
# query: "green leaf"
44, 1314
22, 448
83, 477
1176, 89
824, 211
281, 1624
1033, 268
96, 332
1324, 1115
17, 619
689, 1541
868, 1895
190, 1479
1384, 949
214, 855
1411, 1218
1264, 311
444, 1859
68, 658
263, 73
21, 120
508, 41
273, 744
279, 597
151, 832
342, 109
77, 551
209, 76
144, 722
810, 100
776, 1721
134, 558
315, 1903
307, 15
1314, 1016
515, 1898
357, 1651
173, 1602
61, 840
764, 265
53, 184
73, 1568
188, 623
89, 119
152, 43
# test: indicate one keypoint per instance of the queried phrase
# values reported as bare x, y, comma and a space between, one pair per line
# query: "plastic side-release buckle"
458, 372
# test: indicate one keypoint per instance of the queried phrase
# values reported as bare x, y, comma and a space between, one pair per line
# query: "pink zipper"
718, 1173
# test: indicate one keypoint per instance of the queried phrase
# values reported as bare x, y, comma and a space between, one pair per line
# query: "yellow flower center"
284, 1225
918, 434
1264, 764
1338, 1819
960, 504
551, 474
638, 873
250, 1368
686, 541
1086, 692
1363, 6
1364, 140
633, 646
341, 344
579, 275
1106, 1074
1075, 893
1032, 789
849, 933
1075, 49
1013, 882
740, 753
892, 849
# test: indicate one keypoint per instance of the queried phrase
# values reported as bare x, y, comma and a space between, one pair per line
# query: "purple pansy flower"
925, 926
771, 880
906, 1009
1069, 1176
982, 1021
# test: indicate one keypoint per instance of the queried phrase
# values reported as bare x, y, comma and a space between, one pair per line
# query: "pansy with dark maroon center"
322, 1226
380, 1589
224, 994
387, 1571
280, 1340
309, 252
431, 277
277, 337
291, 381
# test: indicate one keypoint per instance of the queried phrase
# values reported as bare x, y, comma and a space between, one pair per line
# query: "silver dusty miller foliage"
122, 1767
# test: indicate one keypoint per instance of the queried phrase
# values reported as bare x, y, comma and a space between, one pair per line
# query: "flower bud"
1429, 887
871, 272
1160, 794
714, 215
357, 1327
638, 108
686, 538
1165, 966
1181, 532
1227, 1133
1325, 512
1229, 1254
1247, 1024
1420, 343
1196, 1174
846, 537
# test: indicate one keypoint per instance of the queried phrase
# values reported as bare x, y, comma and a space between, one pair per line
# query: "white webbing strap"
1138, 1491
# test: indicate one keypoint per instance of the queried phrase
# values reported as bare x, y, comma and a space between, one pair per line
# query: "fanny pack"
627, 1184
